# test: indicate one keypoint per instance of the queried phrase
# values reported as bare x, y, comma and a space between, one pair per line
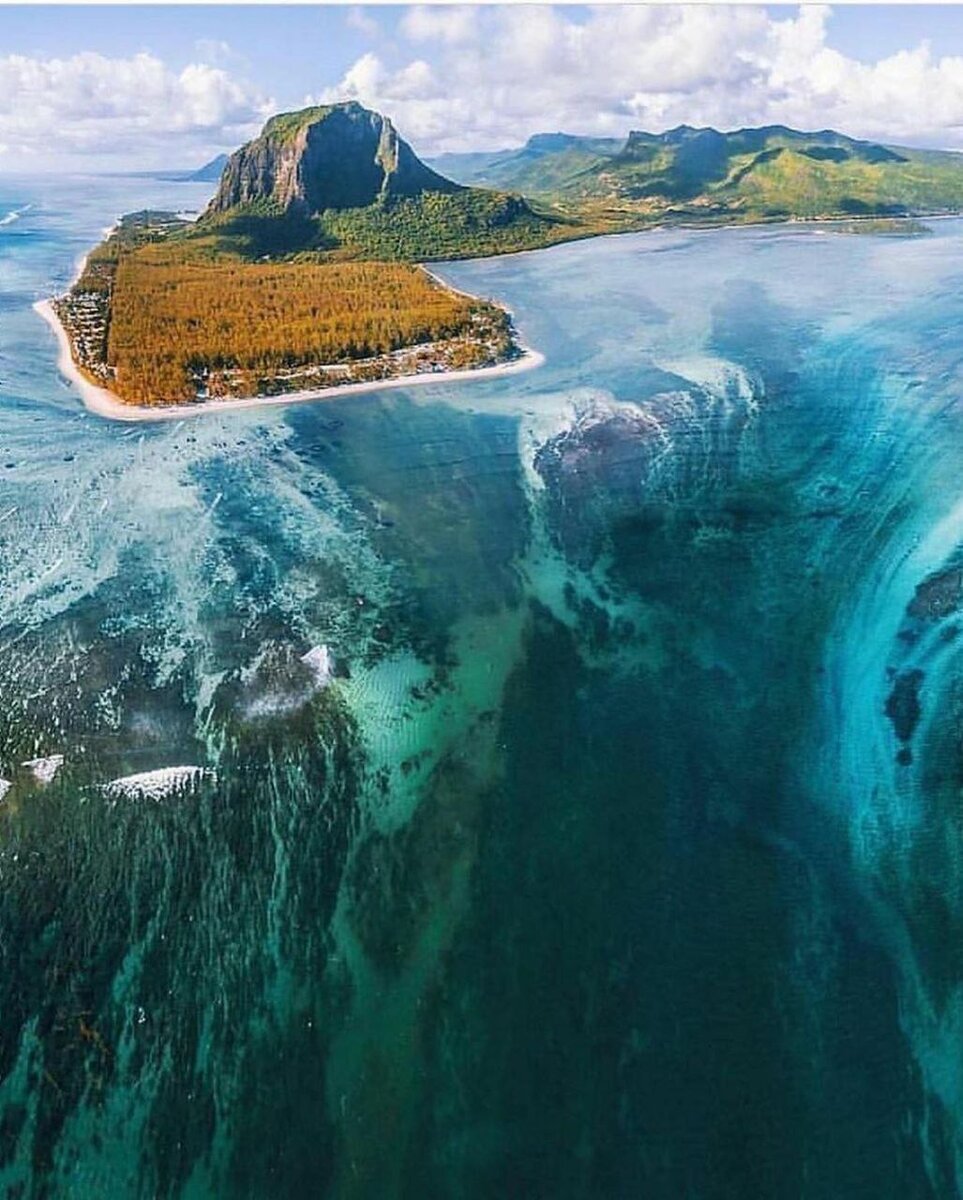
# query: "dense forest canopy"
177, 328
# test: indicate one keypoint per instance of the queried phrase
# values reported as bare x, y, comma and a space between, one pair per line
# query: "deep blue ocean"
620, 852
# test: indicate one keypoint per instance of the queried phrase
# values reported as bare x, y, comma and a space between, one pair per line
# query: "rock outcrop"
337, 156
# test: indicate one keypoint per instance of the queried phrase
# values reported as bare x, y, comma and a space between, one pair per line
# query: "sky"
137, 88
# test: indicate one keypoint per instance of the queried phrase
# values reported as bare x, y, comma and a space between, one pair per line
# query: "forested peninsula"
305, 273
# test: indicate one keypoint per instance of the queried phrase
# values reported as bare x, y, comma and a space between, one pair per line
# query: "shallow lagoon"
620, 858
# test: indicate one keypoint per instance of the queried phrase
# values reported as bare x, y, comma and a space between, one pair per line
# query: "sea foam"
44, 769
154, 785
14, 215
320, 661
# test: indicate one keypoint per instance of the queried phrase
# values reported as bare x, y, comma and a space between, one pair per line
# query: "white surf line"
71, 509
5, 516
14, 215
153, 785
44, 769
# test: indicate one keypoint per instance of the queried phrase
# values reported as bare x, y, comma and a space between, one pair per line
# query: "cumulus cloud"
362, 22
97, 107
463, 77
489, 77
453, 25
216, 51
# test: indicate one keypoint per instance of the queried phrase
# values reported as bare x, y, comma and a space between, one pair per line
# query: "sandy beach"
105, 404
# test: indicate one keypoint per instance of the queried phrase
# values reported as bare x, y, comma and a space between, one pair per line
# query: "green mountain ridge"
776, 171
547, 163
761, 173
339, 178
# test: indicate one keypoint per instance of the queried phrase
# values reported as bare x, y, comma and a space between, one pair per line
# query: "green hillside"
702, 174
769, 173
547, 164
468, 223
338, 179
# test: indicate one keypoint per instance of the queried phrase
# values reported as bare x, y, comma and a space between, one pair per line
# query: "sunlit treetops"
172, 326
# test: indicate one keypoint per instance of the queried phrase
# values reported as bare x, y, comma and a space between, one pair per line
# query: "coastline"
104, 403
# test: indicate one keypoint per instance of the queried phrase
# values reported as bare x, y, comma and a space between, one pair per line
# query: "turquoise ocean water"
622, 854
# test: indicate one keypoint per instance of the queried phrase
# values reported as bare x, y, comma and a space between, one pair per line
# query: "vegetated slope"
771, 172
339, 178
547, 164
462, 225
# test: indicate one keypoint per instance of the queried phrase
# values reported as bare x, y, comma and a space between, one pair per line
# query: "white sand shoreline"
104, 403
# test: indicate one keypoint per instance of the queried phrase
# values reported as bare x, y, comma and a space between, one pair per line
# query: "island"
306, 275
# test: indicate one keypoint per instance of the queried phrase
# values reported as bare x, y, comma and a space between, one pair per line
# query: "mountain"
330, 157
302, 274
685, 162
546, 163
339, 177
770, 172
211, 171
701, 173
303, 271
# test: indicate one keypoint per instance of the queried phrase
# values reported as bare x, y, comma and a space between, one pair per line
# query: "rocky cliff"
338, 156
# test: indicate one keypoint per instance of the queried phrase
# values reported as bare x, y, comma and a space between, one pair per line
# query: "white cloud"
362, 22
452, 24
495, 75
215, 51
137, 107
458, 77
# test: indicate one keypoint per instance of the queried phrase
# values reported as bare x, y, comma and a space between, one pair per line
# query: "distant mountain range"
210, 172
763, 173
340, 175
547, 163
322, 163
